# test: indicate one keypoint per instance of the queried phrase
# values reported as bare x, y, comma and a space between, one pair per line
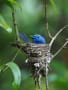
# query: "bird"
36, 38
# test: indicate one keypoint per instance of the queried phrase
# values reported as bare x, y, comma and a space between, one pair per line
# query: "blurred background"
31, 20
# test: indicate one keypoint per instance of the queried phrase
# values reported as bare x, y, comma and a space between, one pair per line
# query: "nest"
38, 56
37, 52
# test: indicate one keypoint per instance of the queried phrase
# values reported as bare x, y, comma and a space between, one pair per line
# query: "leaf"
13, 2
16, 73
4, 24
53, 4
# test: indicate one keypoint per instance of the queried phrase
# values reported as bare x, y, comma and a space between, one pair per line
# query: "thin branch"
50, 34
6, 67
39, 82
46, 19
46, 75
46, 23
16, 54
56, 35
60, 49
15, 25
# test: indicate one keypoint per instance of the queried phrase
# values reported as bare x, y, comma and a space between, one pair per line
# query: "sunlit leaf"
16, 73
4, 24
12, 1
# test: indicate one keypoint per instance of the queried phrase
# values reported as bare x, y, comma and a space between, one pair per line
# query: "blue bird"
39, 39
36, 38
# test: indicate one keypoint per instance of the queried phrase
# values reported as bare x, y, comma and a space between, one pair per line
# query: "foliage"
16, 73
31, 20
4, 24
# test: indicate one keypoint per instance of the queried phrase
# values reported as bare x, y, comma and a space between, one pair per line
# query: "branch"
15, 25
13, 59
46, 75
56, 35
60, 49
50, 34
46, 20
46, 23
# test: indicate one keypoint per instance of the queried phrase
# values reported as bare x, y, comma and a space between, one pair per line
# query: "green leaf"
54, 5
4, 24
13, 2
16, 73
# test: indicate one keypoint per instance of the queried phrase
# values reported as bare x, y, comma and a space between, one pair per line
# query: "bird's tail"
24, 37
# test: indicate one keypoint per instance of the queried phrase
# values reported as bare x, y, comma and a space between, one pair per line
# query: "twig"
46, 75
15, 25
46, 23
50, 34
39, 82
46, 20
56, 35
6, 67
60, 49
16, 54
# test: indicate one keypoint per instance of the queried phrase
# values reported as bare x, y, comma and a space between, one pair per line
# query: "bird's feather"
38, 39
24, 37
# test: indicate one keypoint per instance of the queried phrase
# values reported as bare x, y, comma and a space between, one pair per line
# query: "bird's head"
39, 39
